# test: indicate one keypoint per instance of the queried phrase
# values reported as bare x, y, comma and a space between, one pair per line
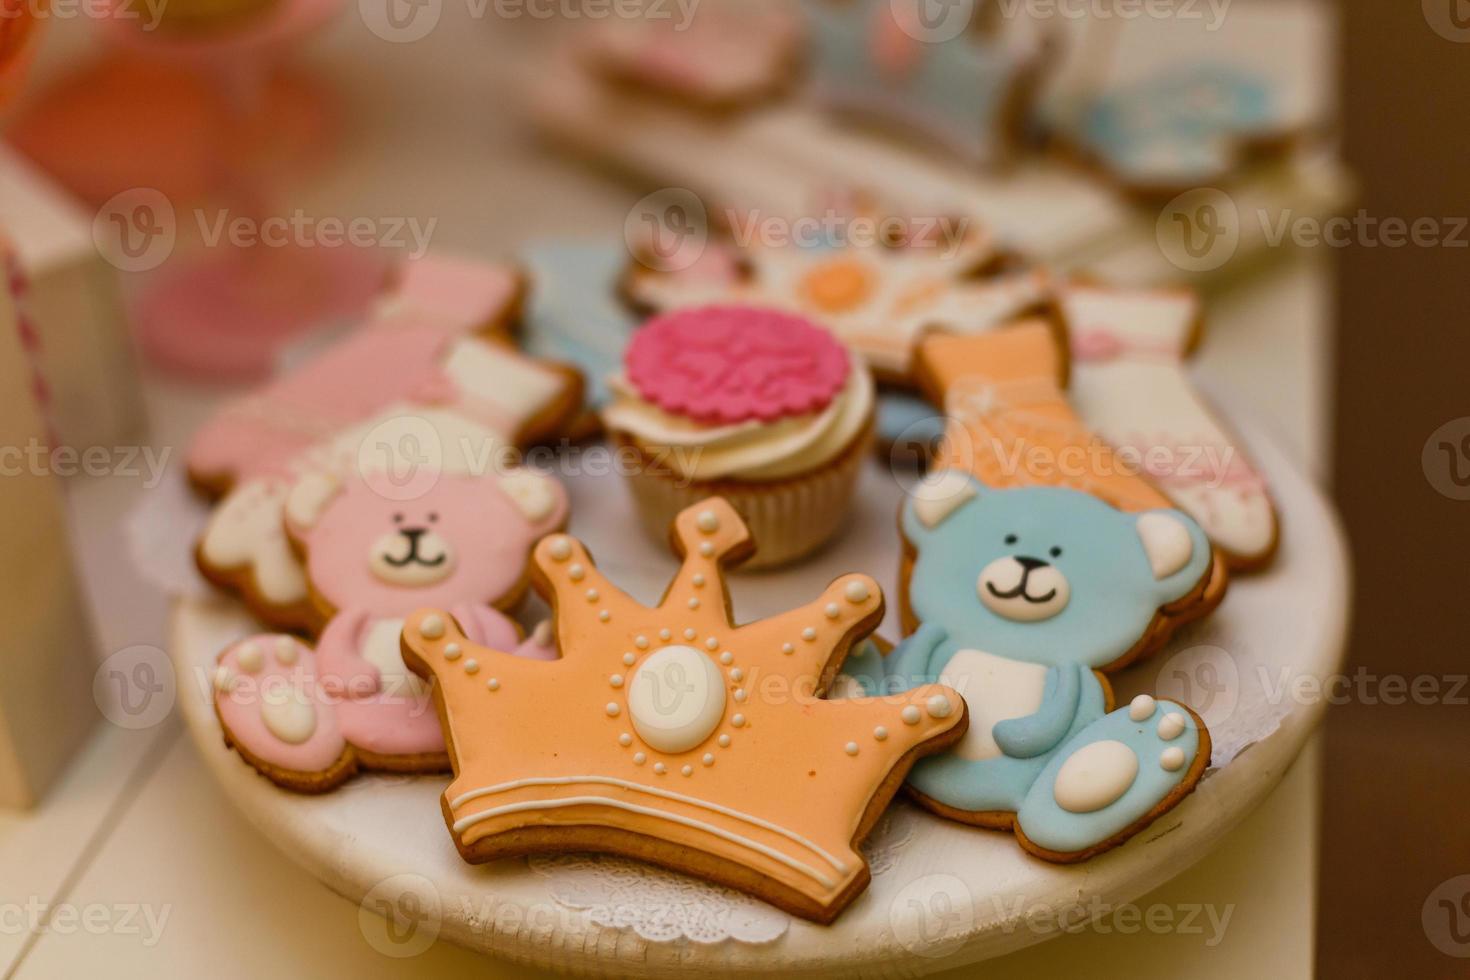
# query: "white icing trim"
466, 822
1167, 543
514, 784
938, 496
309, 498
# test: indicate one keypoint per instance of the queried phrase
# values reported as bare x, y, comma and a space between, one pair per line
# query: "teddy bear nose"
413, 533
1031, 564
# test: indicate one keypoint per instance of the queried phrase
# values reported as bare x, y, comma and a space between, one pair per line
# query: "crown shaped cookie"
672, 735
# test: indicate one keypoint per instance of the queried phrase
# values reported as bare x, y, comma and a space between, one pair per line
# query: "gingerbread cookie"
726, 54
1173, 131
1026, 599
1130, 385
880, 300
375, 549
1036, 562
672, 730
417, 387
967, 89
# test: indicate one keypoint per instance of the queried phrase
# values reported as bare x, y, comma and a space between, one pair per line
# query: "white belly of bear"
380, 648
995, 689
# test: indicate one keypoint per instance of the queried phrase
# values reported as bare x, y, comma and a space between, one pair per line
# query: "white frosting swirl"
752, 450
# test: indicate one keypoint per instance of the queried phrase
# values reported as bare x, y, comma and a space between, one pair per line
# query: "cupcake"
760, 407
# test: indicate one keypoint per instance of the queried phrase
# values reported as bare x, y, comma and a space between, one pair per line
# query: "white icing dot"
592, 595
708, 522
687, 770
639, 758
831, 611
738, 721
712, 644
286, 650
724, 741
706, 548
737, 675
577, 572
665, 635
630, 658
727, 658
880, 733
604, 615
625, 739
939, 706
856, 592
660, 768
788, 648
910, 715
740, 694
809, 634
698, 581
471, 666
1171, 726
851, 748
1173, 759
431, 627
250, 658
1141, 708
493, 683
452, 651
641, 642
616, 680
560, 549
224, 679
708, 759
693, 603
613, 710
689, 634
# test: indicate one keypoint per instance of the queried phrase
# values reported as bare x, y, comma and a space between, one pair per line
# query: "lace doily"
660, 906
663, 906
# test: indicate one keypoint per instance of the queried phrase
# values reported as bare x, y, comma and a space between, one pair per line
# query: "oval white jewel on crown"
1095, 776
676, 698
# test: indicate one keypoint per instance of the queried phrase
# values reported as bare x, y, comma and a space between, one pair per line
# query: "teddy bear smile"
1029, 565
1023, 589
414, 534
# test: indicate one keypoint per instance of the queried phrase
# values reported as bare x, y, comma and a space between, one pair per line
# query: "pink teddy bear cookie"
309, 719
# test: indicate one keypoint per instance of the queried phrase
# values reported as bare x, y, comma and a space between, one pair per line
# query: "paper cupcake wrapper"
788, 519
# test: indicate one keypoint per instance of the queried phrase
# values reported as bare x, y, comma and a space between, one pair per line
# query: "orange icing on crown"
671, 734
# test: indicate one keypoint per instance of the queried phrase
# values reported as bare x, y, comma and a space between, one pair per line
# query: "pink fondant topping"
725, 364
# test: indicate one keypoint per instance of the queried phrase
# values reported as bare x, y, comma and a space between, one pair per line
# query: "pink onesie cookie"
433, 372
308, 719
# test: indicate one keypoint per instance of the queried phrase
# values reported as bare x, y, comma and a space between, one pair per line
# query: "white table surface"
137, 827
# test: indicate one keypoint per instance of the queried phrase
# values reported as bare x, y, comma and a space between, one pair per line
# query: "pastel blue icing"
1114, 597
907, 421
1055, 829
575, 314
1185, 110
956, 93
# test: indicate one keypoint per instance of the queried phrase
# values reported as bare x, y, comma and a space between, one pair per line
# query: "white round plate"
945, 896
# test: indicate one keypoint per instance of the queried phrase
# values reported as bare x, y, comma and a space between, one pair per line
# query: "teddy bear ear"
309, 498
1168, 542
936, 498
541, 499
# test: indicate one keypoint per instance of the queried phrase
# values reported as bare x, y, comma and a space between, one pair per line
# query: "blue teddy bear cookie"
1026, 598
